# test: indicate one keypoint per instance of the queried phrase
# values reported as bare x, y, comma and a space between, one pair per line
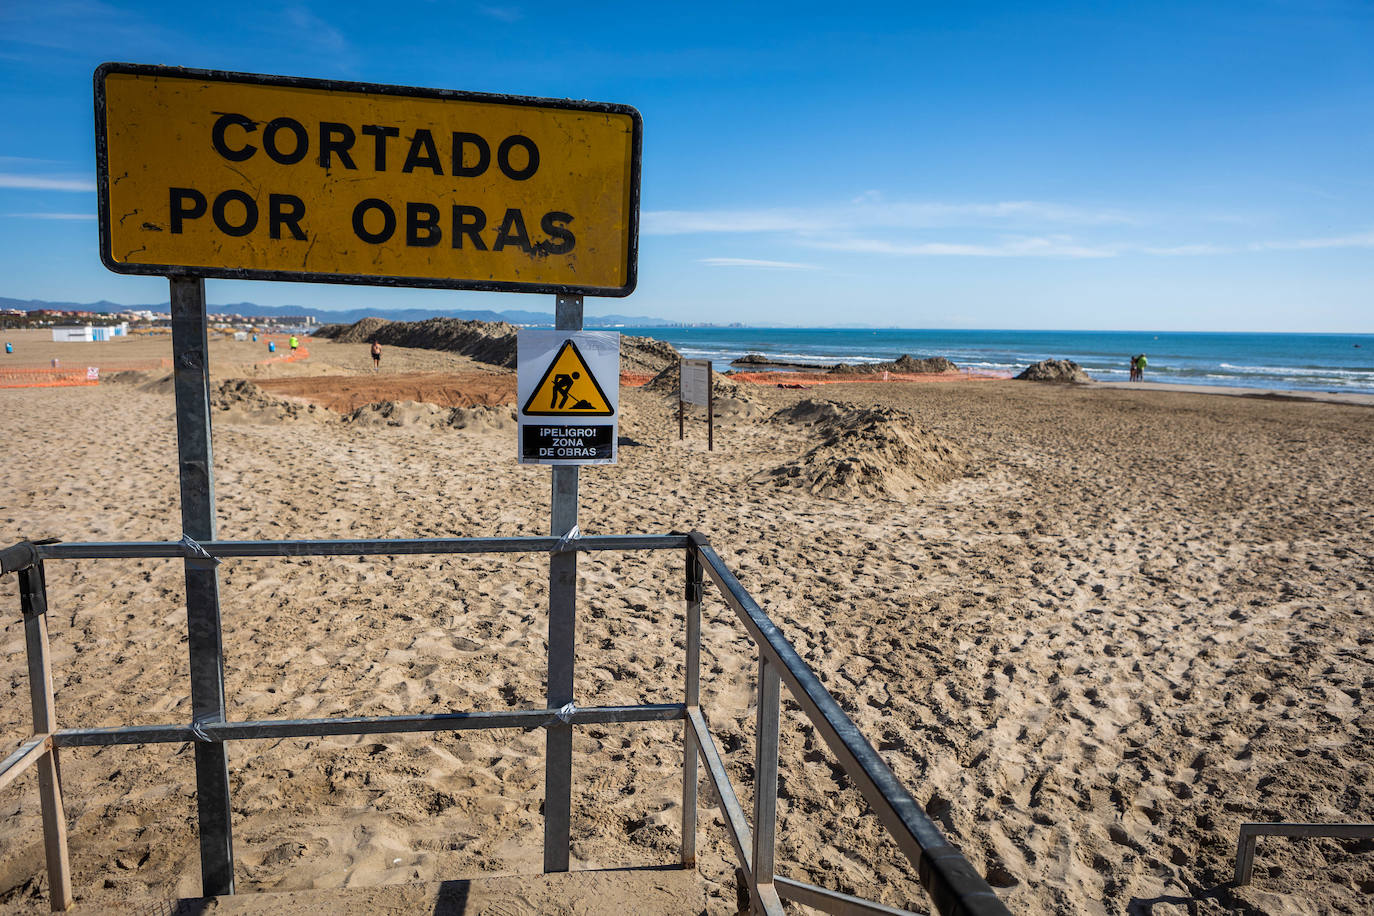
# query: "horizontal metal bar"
363, 547
1245, 848
953, 884
735, 824
1342, 831
25, 756
364, 725
821, 898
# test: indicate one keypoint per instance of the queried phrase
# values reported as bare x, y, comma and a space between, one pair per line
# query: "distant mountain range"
348, 316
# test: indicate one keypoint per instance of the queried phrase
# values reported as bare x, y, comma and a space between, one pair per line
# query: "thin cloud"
507, 14
1035, 247
51, 215
869, 210
754, 262
1359, 240
317, 31
1187, 250
40, 183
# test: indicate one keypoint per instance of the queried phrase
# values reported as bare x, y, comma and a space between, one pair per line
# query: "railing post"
691, 698
191, 384
765, 779
33, 597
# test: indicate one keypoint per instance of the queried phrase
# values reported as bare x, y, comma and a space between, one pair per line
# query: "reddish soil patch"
345, 393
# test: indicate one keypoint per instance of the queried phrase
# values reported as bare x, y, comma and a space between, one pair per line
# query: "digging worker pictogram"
562, 388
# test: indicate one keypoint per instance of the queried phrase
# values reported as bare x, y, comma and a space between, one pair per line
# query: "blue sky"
1179, 166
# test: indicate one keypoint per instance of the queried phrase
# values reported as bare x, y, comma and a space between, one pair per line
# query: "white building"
79, 333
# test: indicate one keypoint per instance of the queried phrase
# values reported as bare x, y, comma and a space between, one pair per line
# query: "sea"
1341, 363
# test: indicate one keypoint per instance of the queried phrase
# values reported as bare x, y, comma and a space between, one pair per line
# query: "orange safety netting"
62, 377
45, 378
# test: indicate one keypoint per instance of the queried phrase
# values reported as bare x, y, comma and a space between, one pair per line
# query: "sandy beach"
1093, 629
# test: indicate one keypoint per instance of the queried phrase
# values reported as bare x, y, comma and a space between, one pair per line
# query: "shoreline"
1357, 399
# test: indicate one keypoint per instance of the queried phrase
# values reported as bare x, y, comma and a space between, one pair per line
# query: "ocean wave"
1301, 371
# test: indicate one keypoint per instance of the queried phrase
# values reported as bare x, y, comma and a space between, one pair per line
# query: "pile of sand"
904, 364
243, 401
480, 419
1055, 370
155, 382
490, 342
875, 453
358, 332
646, 355
666, 382
809, 412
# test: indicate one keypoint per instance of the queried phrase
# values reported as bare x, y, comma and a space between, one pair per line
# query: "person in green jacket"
1140, 367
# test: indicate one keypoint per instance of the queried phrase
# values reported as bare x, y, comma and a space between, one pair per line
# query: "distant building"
80, 333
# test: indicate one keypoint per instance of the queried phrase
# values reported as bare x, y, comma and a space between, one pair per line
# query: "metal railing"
954, 886
1249, 833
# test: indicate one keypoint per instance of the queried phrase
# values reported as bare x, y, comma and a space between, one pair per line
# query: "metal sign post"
243, 176
562, 624
695, 387
191, 380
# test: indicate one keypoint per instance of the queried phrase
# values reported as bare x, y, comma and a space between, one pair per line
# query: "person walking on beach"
1140, 368
1133, 359
376, 355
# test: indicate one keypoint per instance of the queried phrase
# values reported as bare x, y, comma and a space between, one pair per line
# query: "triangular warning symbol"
568, 388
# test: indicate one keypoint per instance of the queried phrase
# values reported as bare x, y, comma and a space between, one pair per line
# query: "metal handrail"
954, 886
26, 553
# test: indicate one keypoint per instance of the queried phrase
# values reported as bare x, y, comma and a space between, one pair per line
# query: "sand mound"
646, 355
876, 453
243, 401
395, 413
737, 409
1055, 370
904, 363
480, 419
666, 382
142, 380
809, 413
360, 331
491, 342
485, 341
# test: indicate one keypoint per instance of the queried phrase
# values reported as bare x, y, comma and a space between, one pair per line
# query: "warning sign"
274, 178
568, 385
568, 388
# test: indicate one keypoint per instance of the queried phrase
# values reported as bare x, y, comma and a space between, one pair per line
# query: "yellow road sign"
568, 388
260, 177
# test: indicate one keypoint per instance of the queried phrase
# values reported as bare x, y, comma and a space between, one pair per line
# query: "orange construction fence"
70, 376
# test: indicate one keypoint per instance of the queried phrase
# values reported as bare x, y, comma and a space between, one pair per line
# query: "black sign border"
258, 79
